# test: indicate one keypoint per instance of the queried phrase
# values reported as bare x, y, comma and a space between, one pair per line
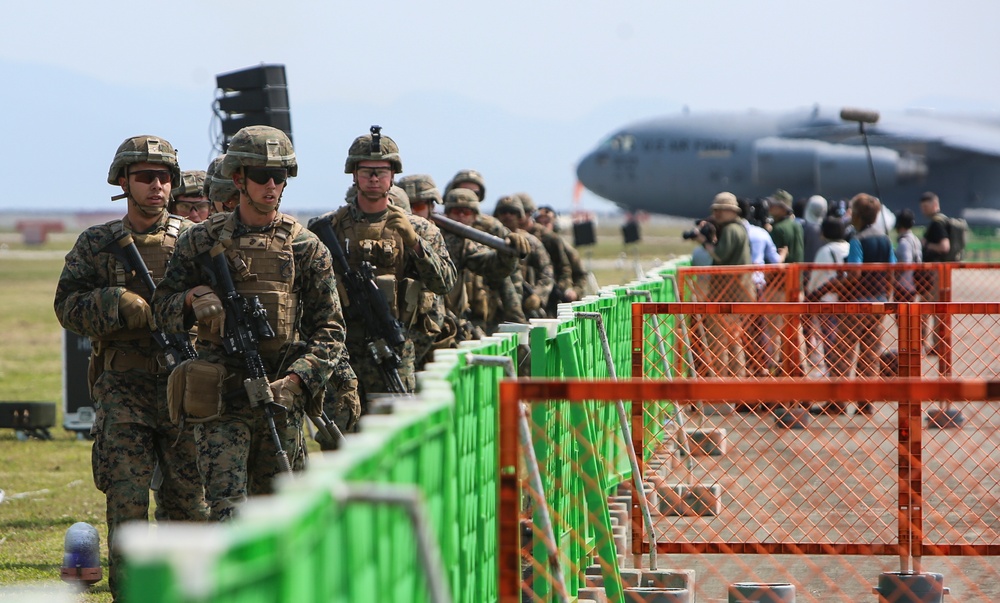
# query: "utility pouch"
410, 302
389, 287
194, 391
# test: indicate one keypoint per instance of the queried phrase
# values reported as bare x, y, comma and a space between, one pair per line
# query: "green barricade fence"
407, 509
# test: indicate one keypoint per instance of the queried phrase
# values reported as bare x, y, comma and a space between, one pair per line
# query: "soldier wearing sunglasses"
275, 259
189, 199
97, 297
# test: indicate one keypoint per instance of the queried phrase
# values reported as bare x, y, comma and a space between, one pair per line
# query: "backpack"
958, 233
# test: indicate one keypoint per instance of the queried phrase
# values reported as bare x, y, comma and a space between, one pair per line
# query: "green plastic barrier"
319, 539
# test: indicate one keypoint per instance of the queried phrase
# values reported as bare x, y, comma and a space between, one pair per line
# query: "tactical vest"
155, 248
262, 264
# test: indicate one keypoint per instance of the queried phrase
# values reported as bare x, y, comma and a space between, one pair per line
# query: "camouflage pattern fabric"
506, 293
562, 270
236, 454
537, 272
432, 268
237, 467
132, 429
342, 403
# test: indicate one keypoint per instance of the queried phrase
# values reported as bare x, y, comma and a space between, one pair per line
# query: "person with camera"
732, 248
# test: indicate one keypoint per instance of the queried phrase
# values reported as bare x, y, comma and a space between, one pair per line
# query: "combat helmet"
461, 197
399, 197
468, 176
420, 187
527, 203
259, 146
373, 147
509, 203
144, 149
219, 190
192, 185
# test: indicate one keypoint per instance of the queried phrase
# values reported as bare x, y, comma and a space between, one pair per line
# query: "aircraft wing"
954, 134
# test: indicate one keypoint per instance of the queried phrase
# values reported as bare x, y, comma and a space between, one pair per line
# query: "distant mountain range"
63, 128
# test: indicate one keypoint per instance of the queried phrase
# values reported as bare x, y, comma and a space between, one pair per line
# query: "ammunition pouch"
119, 360
194, 391
390, 289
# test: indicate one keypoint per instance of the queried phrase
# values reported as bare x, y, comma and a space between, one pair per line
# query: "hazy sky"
569, 63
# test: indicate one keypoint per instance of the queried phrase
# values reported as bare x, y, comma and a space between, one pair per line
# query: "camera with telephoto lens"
691, 235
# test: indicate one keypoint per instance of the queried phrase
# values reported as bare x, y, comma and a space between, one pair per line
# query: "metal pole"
411, 500
626, 436
534, 473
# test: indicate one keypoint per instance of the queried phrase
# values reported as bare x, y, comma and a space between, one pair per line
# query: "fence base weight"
761, 592
907, 587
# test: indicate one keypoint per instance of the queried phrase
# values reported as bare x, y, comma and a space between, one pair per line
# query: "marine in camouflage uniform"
500, 302
408, 255
95, 297
421, 194
272, 257
536, 268
189, 199
481, 268
220, 191
562, 270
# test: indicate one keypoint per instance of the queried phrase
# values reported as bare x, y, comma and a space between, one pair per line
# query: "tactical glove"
531, 303
519, 242
397, 220
135, 311
285, 391
208, 309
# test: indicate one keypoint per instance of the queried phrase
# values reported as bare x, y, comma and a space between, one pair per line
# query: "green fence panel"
308, 543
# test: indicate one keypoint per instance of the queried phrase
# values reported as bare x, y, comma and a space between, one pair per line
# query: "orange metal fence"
824, 424
877, 484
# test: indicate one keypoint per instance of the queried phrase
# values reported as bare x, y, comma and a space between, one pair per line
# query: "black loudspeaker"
257, 96
584, 233
630, 231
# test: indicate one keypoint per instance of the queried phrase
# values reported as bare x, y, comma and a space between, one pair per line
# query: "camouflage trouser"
370, 378
237, 457
131, 433
341, 402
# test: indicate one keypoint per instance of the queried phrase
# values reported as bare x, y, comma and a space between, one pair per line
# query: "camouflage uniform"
480, 267
536, 268
291, 272
555, 246
411, 279
220, 191
132, 431
502, 299
421, 187
432, 275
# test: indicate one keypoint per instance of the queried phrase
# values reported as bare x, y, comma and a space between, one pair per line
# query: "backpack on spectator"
958, 232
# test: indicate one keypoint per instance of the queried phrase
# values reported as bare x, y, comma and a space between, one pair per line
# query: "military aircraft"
675, 165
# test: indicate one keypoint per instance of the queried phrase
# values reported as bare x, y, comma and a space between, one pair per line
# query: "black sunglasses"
261, 175
147, 176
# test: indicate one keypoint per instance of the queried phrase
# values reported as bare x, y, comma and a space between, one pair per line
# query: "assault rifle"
246, 324
383, 333
176, 346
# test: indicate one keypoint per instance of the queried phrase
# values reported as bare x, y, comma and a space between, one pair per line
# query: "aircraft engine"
827, 168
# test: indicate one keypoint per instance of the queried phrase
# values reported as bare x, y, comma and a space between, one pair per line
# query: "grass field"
48, 484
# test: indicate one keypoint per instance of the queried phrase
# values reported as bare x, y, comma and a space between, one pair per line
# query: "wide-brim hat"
782, 198
726, 201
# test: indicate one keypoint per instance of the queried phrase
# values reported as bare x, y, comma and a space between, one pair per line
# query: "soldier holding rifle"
102, 297
270, 329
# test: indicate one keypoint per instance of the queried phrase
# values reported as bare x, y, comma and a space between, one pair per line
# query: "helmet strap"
127, 194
